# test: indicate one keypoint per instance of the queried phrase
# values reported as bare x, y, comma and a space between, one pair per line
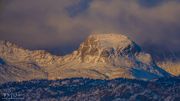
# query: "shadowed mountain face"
78, 89
101, 56
2, 62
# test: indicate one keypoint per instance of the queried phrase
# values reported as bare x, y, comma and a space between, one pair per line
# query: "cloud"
27, 22
58, 23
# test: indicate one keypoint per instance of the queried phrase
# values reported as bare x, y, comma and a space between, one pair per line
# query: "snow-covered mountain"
101, 56
172, 67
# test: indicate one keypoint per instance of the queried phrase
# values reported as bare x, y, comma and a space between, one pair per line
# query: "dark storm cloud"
59, 23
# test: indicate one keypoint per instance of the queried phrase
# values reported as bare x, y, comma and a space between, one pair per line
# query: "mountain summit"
105, 48
100, 56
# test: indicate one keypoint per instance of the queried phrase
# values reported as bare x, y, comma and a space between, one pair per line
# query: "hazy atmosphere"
60, 26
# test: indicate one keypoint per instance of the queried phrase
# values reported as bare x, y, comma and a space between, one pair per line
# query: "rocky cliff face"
101, 56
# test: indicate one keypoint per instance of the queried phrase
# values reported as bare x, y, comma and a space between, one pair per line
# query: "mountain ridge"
100, 56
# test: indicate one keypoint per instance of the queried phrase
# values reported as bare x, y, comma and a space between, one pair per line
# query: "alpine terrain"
100, 56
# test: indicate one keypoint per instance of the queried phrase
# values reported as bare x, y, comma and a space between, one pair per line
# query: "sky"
60, 26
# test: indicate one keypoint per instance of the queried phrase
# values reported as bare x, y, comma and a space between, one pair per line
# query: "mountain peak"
109, 40
111, 56
108, 36
104, 48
